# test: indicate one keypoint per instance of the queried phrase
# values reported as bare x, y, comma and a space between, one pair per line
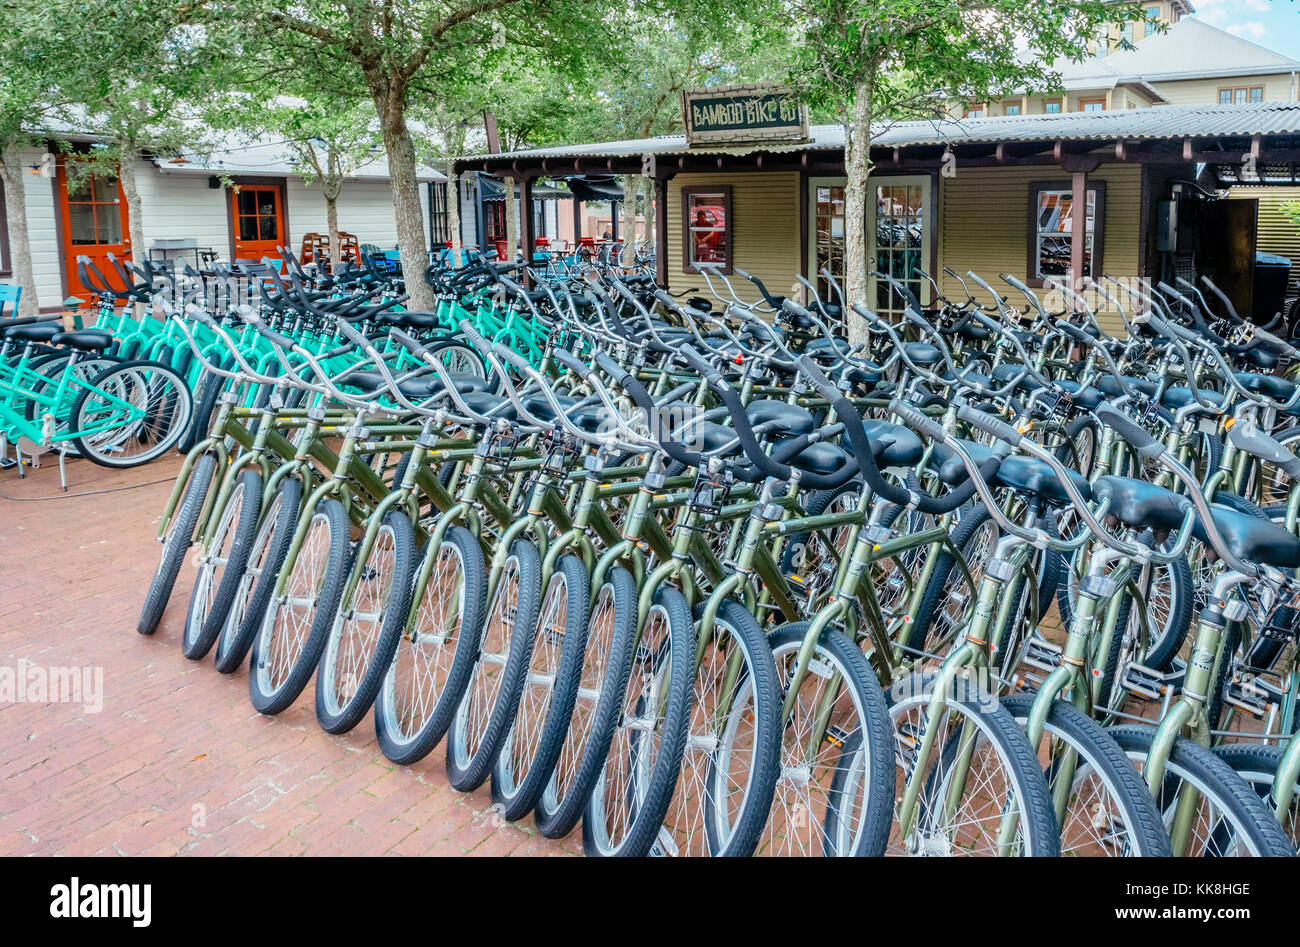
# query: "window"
1012, 110
1152, 12
1052, 107
1126, 33
6, 268
706, 227
1240, 95
1092, 105
439, 230
94, 212
256, 213
1051, 215
975, 111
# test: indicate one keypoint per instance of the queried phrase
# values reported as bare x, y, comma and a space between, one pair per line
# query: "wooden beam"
661, 231
526, 221
1078, 227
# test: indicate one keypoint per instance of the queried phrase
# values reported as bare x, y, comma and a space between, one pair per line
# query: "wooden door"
257, 217
95, 223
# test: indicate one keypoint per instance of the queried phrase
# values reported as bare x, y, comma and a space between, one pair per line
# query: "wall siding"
1275, 231
1277, 88
43, 233
765, 233
181, 205
985, 224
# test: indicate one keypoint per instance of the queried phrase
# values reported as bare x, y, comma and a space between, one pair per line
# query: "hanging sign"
743, 113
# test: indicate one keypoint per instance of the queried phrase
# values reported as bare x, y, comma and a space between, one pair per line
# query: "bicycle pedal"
1148, 682
1044, 655
1254, 696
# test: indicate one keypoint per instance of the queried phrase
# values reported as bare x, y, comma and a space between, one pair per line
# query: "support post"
526, 221
661, 232
1078, 229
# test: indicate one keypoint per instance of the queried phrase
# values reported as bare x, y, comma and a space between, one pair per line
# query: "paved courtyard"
176, 760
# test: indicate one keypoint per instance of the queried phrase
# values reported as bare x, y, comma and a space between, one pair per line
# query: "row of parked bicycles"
127, 388
707, 578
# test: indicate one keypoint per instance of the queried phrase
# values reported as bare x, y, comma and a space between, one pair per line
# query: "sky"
1274, 24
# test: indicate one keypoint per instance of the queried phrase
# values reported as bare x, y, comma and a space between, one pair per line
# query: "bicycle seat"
949, 468
1139, 504
923, 353
1031, 475
588, 417
1178, 398
1111, 389
1270, 386
34, 332
1260, 357
820, 458
707, 437
791, 419
85, 340
893, 445
370, 380
413, 320
1251, 538
486, 403
1088, 398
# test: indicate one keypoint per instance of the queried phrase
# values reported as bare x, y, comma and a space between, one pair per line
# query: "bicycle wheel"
134, 413
977, 741
1258, 766
206, 404
946, 595
1230, 819
294, 628
531, 747
365, 630
488, 704
222, 565
631, 796
257, 581
431, 665
600, 675
731, 761
1108, 810
835, 793
179, 537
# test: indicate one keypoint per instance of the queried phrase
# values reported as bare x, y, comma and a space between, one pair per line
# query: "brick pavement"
177, 761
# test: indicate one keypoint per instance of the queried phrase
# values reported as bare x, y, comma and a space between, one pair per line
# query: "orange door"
95, 224
258, 215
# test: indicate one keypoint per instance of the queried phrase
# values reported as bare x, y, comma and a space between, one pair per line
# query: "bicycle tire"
489, 702
208, 607
393, 599
1098, 750
180, 404
601, 671
648, 794
320, 574
1255, 825
257, 582
530, 748
179, 538
405, 740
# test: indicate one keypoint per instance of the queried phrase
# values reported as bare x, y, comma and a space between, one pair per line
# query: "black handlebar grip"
819, 381
573, 363
1147, 447
410, 344
612, 368
994, 427
1075, 332
917, 421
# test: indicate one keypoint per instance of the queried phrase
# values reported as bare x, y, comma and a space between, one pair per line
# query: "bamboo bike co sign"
743, 113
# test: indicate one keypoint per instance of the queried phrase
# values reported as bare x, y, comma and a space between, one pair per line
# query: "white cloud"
1218, 12
1251, 29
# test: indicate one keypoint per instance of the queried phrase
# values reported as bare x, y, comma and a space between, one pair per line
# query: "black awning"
595, 188
494, 189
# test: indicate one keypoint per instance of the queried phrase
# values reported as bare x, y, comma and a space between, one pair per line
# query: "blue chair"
10, 293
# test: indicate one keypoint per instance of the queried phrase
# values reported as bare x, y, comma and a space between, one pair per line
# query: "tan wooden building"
993, 195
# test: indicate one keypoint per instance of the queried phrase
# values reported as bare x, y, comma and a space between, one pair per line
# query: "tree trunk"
453, 216
857, 167
332, 224
134, 210
631, 188
512, 225
400, 150
20, 247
